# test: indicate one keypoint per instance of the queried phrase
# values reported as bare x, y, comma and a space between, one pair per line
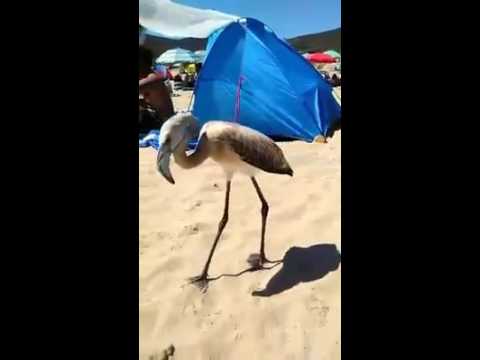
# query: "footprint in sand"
209, 321
164, 355
319, 309
160, 235
238, 336
190, 309
290, 213
189, 230
144, 245
209, 187
195, 206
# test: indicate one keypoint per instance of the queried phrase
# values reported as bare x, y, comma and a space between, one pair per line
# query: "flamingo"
237, 149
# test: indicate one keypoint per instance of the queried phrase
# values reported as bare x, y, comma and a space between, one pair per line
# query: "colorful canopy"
200, 55
320, 58
255, 78
333, 53
176, 55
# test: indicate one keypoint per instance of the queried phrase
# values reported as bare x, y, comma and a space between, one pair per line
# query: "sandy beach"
294, 311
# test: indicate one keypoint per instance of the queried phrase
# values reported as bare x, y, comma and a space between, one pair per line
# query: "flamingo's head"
174, 133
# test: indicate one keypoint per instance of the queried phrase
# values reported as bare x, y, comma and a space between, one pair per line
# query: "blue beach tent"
257, 79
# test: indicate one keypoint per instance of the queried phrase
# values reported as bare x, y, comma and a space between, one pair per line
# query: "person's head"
160, 70
145, 61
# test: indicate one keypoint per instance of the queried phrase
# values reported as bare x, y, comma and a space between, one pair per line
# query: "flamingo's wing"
252, 146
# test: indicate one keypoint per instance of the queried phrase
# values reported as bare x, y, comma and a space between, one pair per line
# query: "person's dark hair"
145, 57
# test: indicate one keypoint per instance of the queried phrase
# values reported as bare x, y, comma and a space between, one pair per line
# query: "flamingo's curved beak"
163, 163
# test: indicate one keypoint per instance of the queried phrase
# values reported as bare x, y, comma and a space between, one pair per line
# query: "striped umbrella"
333, 54
200, 55
176, 55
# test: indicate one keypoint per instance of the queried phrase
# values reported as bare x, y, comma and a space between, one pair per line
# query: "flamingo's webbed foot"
201, 281
257, 261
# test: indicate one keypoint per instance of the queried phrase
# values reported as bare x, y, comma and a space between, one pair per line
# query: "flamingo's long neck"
192, 160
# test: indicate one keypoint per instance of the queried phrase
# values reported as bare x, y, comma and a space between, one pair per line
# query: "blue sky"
288, 18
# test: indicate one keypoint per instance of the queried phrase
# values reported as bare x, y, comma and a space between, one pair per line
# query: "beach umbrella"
329, 67
176, 55
200, 55
320, 58
333, 54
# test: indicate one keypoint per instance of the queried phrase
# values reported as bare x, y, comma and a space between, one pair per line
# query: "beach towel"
151, 140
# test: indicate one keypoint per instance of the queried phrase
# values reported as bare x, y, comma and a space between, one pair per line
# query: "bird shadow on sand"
298, 265
302, 265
